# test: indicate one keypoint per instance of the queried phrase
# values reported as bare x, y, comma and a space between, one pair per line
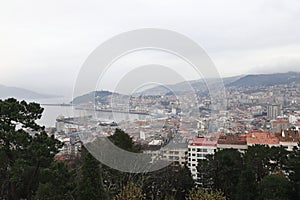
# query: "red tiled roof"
280, 121
235, 139
201, 141
258, 137
289, 136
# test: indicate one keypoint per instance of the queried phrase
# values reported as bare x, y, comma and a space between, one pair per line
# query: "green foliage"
123, 141
172, 180
90, 185
264, 160
257, 159
221, 171
14, 113
201, 194
131, 192
56, 182
275, 187
293, 169
258, 174
114, 180
247, 186
259, 162
25, 148
278, 157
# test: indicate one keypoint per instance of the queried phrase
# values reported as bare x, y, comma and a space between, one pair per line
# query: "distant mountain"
183, 87
20, 93
236, 81
267, 79
199, 86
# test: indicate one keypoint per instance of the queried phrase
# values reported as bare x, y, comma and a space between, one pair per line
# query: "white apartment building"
198, 149
173, 152
176, 153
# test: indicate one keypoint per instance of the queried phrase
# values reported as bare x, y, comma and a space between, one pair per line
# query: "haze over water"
52, 112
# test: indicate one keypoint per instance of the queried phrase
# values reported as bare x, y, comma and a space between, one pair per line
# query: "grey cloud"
52, 39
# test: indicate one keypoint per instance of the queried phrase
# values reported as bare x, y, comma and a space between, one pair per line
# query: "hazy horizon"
70, 94
44, 44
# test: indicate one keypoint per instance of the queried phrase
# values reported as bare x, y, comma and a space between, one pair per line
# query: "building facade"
198, 149
273, 111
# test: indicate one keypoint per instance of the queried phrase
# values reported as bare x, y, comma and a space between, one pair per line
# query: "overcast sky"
44, 43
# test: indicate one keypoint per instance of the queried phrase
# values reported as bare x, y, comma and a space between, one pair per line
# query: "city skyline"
155, 99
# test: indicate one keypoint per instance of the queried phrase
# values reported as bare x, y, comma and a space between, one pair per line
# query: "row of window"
198, 155
198, 160
198, 149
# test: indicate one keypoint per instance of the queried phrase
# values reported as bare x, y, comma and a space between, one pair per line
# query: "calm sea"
52, 112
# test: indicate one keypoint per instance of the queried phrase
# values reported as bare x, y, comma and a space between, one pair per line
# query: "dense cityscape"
150, 100
255, 115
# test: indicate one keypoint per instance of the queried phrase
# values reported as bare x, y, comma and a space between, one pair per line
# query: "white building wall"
196, 153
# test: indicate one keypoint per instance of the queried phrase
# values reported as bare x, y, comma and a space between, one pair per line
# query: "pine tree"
90, 184
25, 148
